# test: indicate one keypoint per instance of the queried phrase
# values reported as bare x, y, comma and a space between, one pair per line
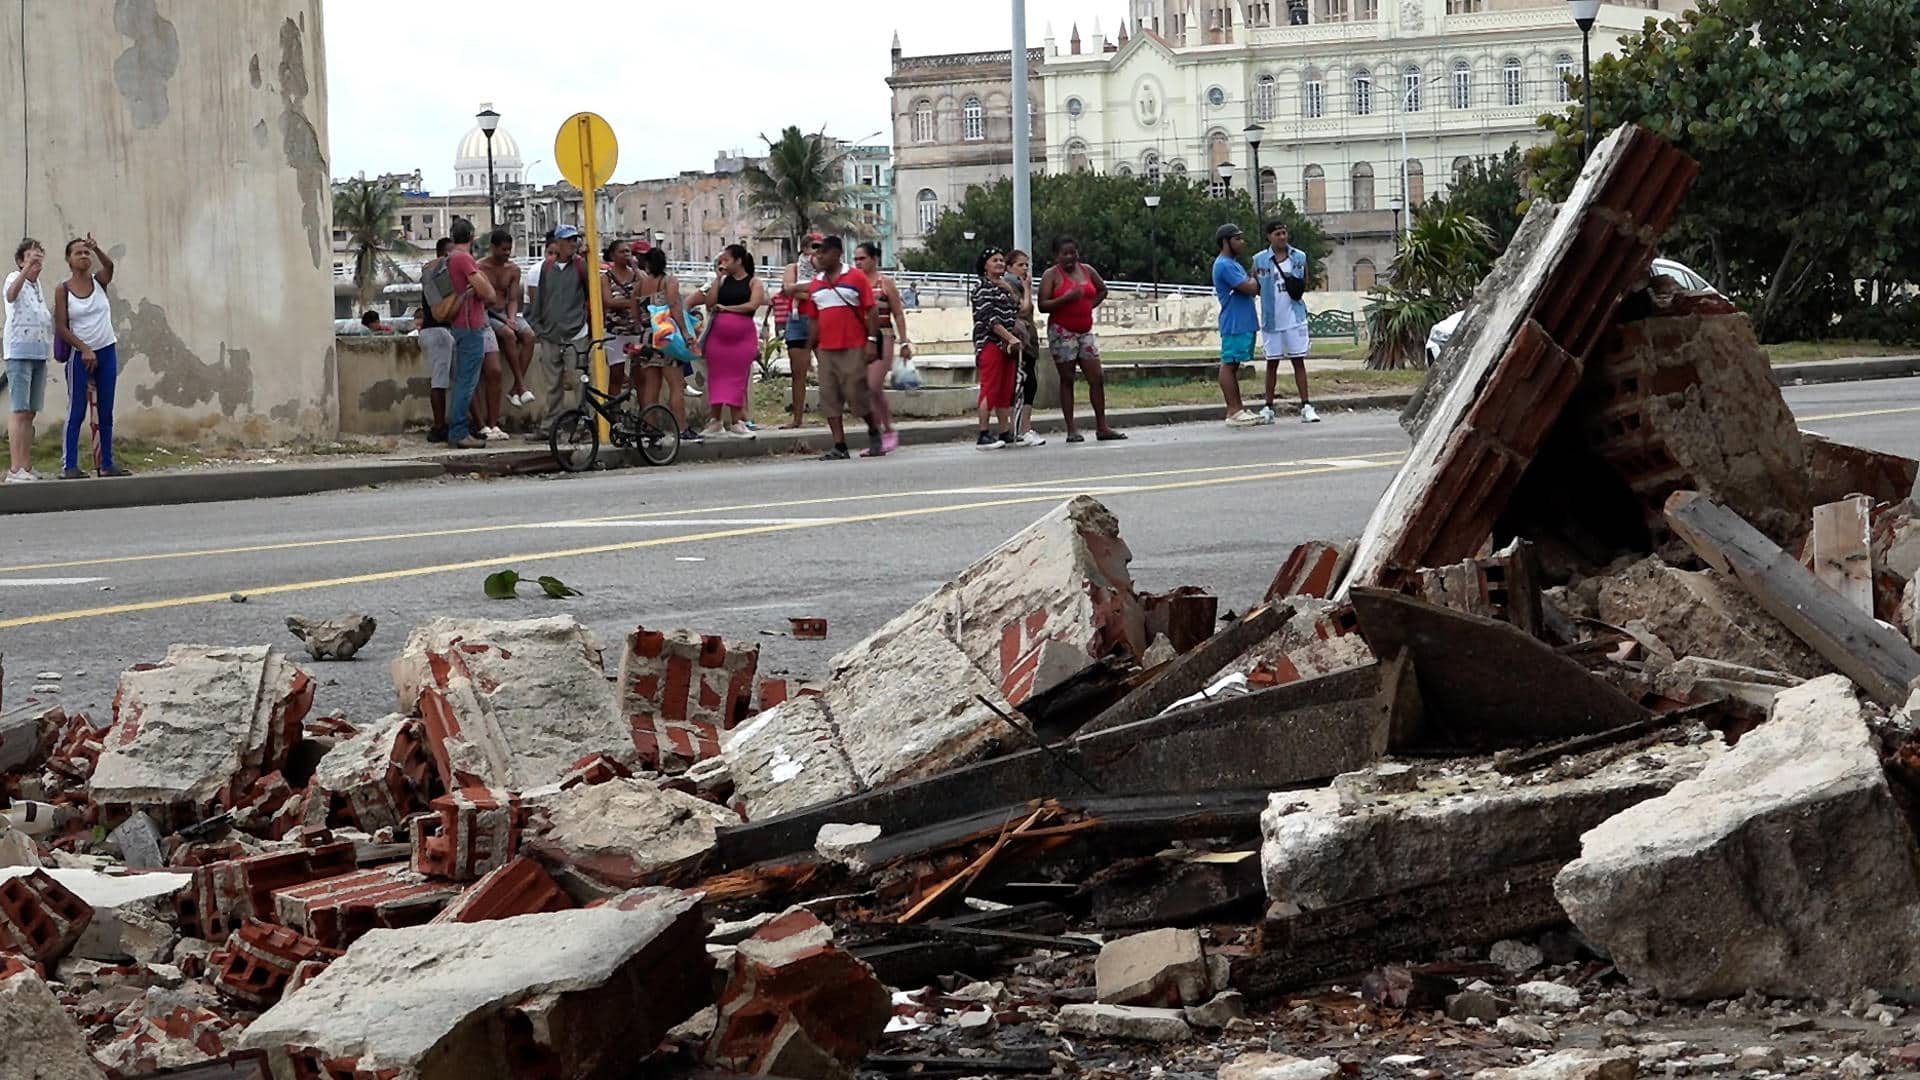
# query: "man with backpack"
466, 309
1282, 272
559, 315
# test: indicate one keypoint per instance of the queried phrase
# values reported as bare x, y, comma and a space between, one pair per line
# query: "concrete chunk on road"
1785, 867
376, 779
510, 705
628, 833
583, 993
36, 1034
196, 730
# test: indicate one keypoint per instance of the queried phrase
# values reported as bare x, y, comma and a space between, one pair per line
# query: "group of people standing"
1279, 278
75, 329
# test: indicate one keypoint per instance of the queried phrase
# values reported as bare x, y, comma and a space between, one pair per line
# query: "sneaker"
692, 436
1111, 436
750, 425
1266, 415
694, 391
1307, 415
470, 443
987, 441
890, 441
114, 471
523, 398
73, 474
494, 434
20, 476
438, 434
1007, 439
740, 431
1243, 418
1032, 439
838, 453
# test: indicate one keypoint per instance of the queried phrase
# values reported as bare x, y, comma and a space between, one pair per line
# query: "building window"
1362, 92
1178, 169
1462, 85
1313, 96
1030, 118
1216, 96
1151, 163
1075, 107
1363, 186
1263, 98
669, 211
1077, 157
1413, 81
743, 206
923, 121
1563, 64
1364, 276
1516, 82
973, 120
1217, 149
1416, 184
1366, 10
1335, 11
1123, 169
1314, 193
1462, 166
929, 210
1269, 187
1465, 7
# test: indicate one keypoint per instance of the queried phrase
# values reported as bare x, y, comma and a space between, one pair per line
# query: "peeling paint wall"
189, 136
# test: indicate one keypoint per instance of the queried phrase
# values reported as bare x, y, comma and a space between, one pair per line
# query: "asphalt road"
734, 549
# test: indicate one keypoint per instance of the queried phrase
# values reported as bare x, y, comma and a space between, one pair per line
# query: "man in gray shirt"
559, 314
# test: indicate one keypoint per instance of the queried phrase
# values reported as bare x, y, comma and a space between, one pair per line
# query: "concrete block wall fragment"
680, 691
40, 918
379, 777
797, 1004
224, 895
470, 833
338, 910
521, 887
260, 959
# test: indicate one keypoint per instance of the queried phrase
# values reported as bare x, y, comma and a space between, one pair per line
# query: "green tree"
803, 185
1441, 260
1491, 189
369, 211
1116, 231
1801, 115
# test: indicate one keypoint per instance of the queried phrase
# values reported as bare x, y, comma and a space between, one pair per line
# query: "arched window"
1313, 96
923, 121
1362, 92
929, 210
1123, 169
1150, 163
1314, 189
1416, 183
1364, 276
1462, 85
1462, 166
1516, 81
1269, 187
1362, 186
1077, 158
1413, 85
973, 120
1178, 170
1217, 150
1563, 65
1263, 95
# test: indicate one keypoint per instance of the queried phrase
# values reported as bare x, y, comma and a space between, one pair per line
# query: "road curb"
207, 485
1816, 372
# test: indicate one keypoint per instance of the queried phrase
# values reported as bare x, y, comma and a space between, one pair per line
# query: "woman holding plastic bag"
670, 342
893, 328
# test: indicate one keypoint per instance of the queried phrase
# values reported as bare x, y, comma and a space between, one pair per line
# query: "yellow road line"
1852, 415
635, 545
429, 534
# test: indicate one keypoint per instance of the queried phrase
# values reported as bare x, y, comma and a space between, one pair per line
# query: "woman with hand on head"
83, 322
893, 332
733, 341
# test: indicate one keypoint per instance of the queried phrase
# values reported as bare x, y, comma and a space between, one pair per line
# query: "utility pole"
1022, 135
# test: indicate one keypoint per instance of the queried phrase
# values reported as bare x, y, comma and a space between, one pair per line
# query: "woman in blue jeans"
83, 320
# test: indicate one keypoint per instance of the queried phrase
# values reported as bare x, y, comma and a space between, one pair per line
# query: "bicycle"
575, 438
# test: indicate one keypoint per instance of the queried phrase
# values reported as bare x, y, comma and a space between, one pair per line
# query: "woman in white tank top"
83, 323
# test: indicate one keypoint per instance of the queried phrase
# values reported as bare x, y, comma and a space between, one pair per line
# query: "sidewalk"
428, 462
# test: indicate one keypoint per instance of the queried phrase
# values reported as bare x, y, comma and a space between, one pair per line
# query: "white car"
1667, 268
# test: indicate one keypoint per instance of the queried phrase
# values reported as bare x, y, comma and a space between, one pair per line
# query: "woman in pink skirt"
733, 341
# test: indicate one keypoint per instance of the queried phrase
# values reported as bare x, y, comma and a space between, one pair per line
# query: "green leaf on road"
557, 589
501, 586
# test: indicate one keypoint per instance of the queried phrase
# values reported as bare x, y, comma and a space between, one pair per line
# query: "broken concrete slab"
1784, 867
139, 842
681, 692
1222, 1009
798, 1005
1312, 569
1161, 968
27, 738
627, 832
1179, 888
1529, 344
511, 705
41, 1042
132, 913
1696, 680
584, 993
196, 730
333, 639
1853, 641
787, 759
375, 780
1503, 586
1836, 470
1701, 613
1571, 1065
1321, 850
521, 887
1271, 1066
1125, 1022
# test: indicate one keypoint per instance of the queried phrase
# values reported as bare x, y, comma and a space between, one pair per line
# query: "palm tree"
803, 185
369, 211
1441, 261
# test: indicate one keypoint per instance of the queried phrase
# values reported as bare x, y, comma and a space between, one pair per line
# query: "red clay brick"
337, 910
39, 917
521, 887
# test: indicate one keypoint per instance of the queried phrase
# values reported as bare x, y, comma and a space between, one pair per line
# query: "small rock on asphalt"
1125, 1022
1622, 1018
1474, 1005
1279, 1067
1225, 1008
1518, 1032
1547, 995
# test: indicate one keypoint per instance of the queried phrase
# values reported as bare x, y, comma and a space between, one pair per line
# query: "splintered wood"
1840, 550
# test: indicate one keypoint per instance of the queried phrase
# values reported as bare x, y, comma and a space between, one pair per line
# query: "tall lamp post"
1153, 240
1584, 14
489, 121
1254, 134
1226, 179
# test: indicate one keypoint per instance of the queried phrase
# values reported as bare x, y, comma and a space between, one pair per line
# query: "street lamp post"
1254, 134
489, 121
1226, 179
1584, 14
1153, 241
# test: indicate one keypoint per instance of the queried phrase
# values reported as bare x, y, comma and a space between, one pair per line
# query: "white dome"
473, 149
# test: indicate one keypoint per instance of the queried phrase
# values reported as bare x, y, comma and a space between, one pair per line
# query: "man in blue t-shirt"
1239, 320
1282, 270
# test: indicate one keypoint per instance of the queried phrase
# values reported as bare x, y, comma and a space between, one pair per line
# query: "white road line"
1344, 463
1063, 492
669, 523
45, 582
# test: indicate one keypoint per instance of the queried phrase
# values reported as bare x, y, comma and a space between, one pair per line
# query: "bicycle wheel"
575, 441
659, 435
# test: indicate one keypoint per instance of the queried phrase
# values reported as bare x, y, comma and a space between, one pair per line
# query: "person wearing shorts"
845, 322
510, 329
436, 345
1069, 291
996, 349
799, 280
626, 313
29, 348
1239, 318
1282, 271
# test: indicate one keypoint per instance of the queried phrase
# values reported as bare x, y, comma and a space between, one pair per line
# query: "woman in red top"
1069, 291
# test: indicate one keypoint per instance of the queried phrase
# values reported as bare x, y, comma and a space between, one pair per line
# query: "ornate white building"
470, 163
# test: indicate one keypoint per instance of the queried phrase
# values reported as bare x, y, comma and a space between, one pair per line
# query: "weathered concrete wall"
383, 385
191, 139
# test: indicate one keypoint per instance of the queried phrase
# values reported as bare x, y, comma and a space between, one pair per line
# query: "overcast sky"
677, 81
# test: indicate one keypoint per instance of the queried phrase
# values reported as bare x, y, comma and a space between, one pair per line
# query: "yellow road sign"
586, 152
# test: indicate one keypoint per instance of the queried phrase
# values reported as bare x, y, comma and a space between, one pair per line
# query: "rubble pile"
1597, 755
